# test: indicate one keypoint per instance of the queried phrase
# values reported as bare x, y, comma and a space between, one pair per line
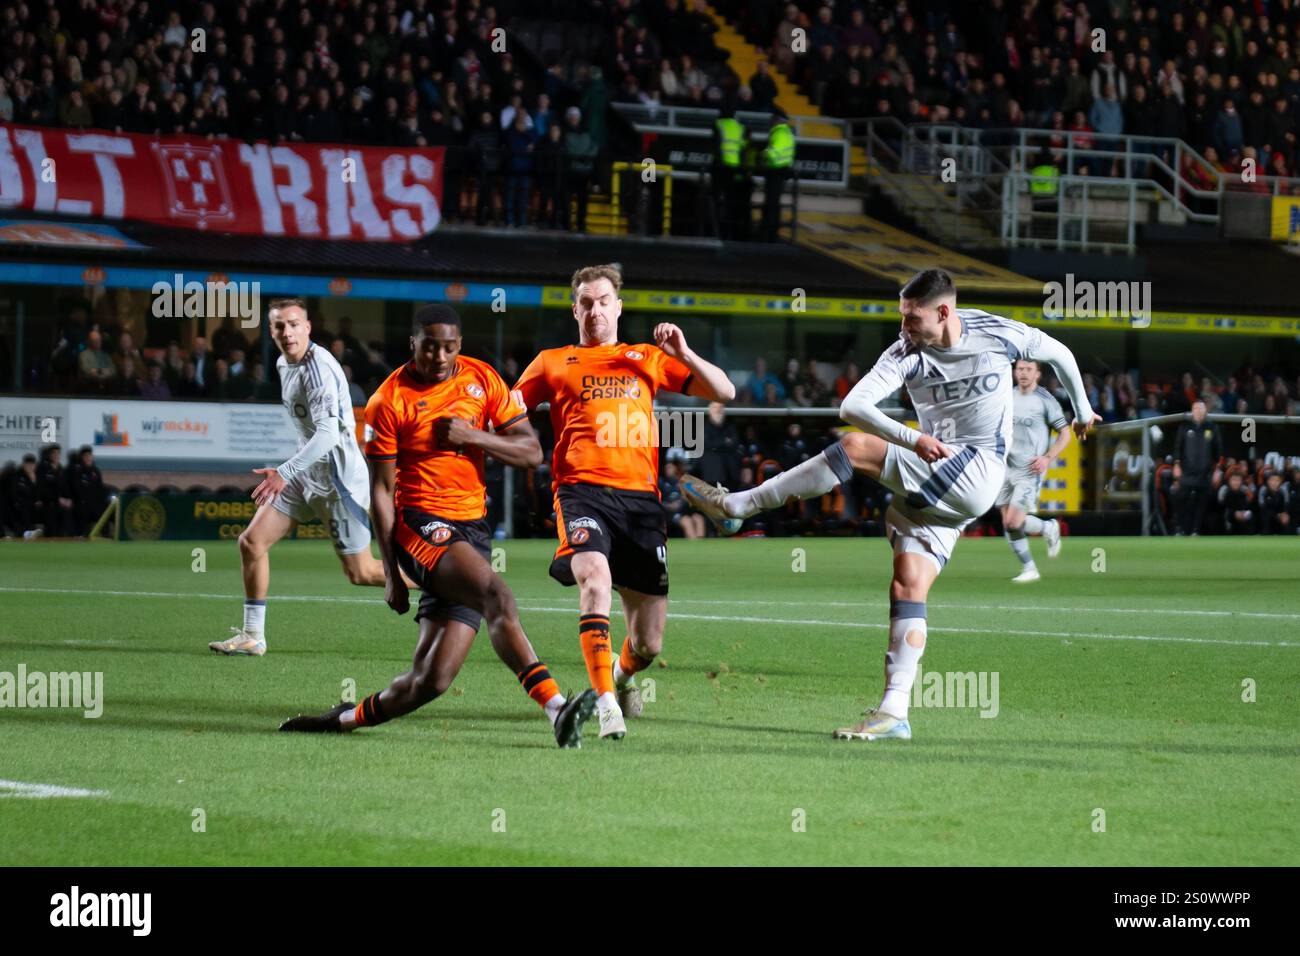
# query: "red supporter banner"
311, 191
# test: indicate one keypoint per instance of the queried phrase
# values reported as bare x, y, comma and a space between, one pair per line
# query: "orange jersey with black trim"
602, 410
400, 419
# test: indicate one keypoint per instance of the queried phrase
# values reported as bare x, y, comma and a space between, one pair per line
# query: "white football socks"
811, 478
903, 657
1033, 524
552, 707
620, 678
254, 617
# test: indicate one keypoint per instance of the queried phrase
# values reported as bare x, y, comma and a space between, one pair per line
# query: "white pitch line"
741, 619
1165, 612
710, 602
16, 789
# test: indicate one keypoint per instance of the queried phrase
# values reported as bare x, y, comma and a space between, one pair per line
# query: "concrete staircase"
934, 206
744, 60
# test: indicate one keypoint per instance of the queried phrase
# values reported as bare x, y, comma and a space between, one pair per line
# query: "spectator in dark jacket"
1228, 135
1199, 447
322, 123
22, 498
1238, 508
88, 495
53, 496
580, 149
1275, 506
720, 464
484, 149
521, 142
549, 165
1255, 122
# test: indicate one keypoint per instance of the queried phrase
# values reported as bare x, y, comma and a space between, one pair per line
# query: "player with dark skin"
461, 575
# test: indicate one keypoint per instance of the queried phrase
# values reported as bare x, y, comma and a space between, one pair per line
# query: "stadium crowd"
524, 138
102, 358
1224, 77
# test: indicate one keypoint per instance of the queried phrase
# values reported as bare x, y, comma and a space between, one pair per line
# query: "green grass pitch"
1120, 693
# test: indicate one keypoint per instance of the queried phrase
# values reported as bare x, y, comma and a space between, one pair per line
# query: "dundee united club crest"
144, 519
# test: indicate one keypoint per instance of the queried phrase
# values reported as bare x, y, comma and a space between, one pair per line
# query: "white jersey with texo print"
329, 462
1036, 415
962, 394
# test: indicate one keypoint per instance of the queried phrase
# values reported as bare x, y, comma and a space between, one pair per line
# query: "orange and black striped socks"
369, 713
629, 662
593, 632
538, 684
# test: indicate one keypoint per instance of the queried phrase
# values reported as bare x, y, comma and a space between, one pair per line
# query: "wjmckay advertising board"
125, 431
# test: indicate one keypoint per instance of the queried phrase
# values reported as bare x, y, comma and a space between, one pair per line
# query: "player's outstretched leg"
268, 526
810, 479
645, 615
465, 581
442, 649
913, 575
438, 659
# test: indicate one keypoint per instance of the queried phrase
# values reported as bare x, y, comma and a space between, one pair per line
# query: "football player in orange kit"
426, 436
608, 517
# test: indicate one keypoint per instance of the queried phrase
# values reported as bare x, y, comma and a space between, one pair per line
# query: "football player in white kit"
1036, 413
327, 478
956, 367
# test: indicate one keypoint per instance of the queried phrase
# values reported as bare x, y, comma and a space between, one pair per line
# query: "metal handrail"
1081, 185
697, 117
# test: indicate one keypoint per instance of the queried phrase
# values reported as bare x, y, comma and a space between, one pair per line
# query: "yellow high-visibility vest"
780, 148
732, 136
1043, 182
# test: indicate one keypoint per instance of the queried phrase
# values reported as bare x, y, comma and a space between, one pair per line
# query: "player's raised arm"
1042, 347
860, 408
706, 379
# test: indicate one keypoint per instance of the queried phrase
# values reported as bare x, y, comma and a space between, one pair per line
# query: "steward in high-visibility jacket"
778, 165
1043, 181
780, 146
730, 141
731, 185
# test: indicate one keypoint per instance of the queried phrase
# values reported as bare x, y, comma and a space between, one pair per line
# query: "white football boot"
611, 723
250, 645
877, 725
